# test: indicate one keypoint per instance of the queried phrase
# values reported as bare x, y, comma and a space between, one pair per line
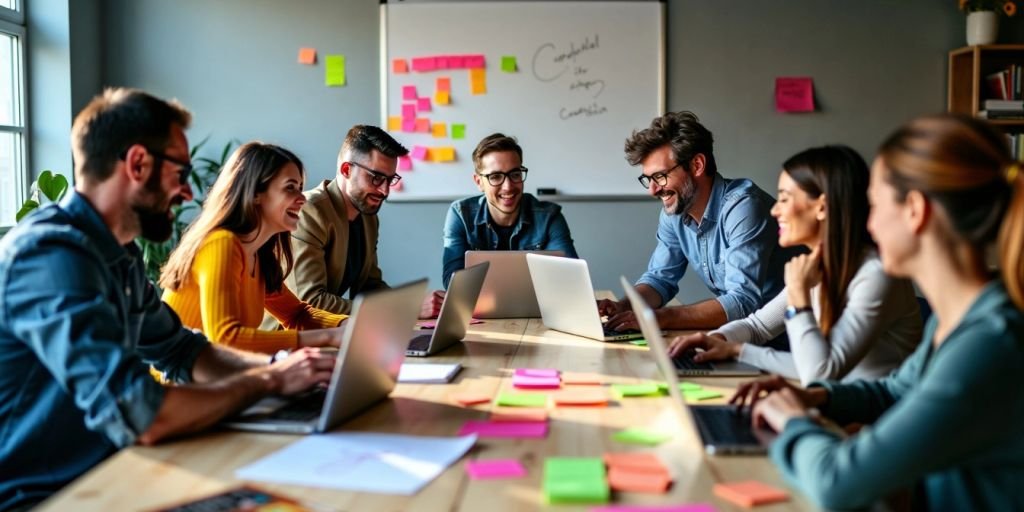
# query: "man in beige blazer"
335, 245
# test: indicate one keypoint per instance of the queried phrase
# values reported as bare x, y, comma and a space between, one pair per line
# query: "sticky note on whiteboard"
419, 152
409, 92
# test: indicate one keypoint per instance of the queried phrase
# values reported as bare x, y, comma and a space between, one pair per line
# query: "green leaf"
25, 209
56, 188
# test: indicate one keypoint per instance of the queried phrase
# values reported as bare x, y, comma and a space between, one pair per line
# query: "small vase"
982, 27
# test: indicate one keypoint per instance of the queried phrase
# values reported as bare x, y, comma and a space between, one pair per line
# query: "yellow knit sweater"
224, 298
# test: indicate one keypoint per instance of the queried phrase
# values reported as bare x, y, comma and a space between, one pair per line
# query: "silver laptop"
507, 291
456, 313
372, 349
724, 429
566, 298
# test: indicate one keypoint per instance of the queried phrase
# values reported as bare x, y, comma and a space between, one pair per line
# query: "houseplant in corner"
983, 18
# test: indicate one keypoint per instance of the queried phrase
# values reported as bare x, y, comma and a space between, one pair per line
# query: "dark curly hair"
683, 131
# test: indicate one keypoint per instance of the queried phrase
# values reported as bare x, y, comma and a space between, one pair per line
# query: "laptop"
456, 313
372, 349
507, 291
724, 429
566, 298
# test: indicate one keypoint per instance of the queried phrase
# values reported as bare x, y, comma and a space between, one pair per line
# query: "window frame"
12, 22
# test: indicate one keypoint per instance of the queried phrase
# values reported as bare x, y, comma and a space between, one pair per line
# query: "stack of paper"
427, 373
575, 480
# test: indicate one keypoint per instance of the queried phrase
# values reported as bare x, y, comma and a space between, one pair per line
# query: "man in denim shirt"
80, 324
721, 226
503, 218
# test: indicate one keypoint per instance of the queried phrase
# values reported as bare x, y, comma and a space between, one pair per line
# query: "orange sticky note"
583, 379
470, 397
645, 462
627, 480
750, 493
440, 130
442, 97
582, 396
423, 124
519, 414
394, 123
443, 84
443, 154
399, 66
307, 56
477, 81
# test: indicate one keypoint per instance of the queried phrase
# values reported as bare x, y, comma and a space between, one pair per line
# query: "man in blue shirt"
503, 218
722, 227
80, 325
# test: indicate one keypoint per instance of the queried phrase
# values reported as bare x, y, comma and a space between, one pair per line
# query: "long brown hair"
231, 205
963, 164
841, 175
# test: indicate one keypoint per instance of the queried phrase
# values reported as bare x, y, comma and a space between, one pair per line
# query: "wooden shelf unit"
968, 67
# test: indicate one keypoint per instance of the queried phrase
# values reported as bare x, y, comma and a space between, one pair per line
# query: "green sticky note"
334, 70
522, 399
575, 480
458, 131
641, 342
700, 394
625, 390
508, 64
641, 436
689, 386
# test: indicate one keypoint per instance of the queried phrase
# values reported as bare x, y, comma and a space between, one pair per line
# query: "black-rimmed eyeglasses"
378, 178
497, 178
661, 178
184, 168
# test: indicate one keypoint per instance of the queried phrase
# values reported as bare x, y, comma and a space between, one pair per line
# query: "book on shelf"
1002, 105
1005, 84
1001, 114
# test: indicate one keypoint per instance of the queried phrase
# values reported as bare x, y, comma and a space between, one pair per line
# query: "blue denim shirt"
735, 249
79, 322
541, 227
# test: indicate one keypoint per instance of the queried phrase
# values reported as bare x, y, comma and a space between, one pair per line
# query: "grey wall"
875, 63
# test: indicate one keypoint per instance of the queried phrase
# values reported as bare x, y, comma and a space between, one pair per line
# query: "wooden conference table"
141, 478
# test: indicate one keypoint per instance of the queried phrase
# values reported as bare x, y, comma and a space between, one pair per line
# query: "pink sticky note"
422, 124
419, 152
537, 372
696, 507
504, 429
404, 163
794, 94
423, 64
408, 110
456, 62
409, 124
423, 104
495, 468
475, 62
527, 382
409, 92
441, 62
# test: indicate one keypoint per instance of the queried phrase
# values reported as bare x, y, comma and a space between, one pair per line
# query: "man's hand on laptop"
715, 347
432, 304
301, 370
608, 307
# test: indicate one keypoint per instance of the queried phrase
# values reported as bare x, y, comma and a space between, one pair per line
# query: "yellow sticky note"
440, 130
307, 55
394, 123
444, 154
442, 97
477, 81
334, 72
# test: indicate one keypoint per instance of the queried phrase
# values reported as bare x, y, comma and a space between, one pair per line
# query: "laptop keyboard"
612, 332
685, 362
304, 408
420, 343
725, 425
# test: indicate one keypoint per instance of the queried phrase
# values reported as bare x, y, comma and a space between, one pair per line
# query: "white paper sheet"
427, 373
358, 461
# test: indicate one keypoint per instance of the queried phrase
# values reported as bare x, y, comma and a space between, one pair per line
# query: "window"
13, 169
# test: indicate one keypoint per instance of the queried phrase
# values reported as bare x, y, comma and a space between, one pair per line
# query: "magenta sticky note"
475, 61
538, 372
423, 104
456, 62
441, 62
409, 92
504, 428
794, 94
495, 468
419, 152
409, 124
408, 110
527, 382
423, 64
404, 163
694, 507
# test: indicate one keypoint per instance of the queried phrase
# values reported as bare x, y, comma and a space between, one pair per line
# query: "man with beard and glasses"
723, 227
502, 217
335, 245
80, 325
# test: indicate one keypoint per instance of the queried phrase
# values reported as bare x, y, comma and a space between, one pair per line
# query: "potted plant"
982, 18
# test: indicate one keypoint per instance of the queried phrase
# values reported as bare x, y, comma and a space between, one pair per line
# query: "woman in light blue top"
948, 422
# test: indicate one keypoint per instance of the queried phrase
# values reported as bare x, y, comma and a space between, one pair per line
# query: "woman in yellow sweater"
232, 261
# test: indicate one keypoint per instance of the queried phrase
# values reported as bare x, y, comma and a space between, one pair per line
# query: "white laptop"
724, 429
566, 298
456, 313
372, 349
507, 291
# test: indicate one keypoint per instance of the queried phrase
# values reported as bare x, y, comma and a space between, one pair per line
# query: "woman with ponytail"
948, 423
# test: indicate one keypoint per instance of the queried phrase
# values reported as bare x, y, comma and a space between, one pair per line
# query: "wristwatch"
792, 311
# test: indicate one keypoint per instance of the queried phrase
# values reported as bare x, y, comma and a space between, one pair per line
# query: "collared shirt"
79, 325
469, 227
734, 249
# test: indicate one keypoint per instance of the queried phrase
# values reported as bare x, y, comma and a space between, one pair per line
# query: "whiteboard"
588, 74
